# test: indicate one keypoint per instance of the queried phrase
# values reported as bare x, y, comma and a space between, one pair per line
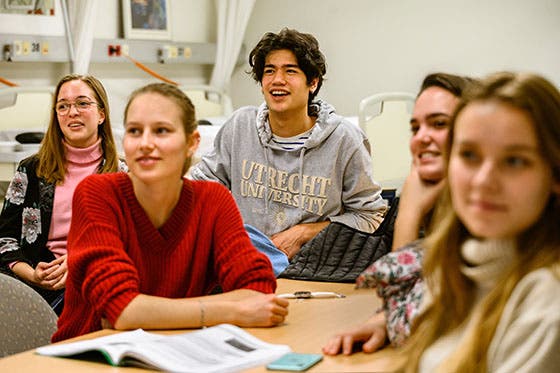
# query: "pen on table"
311, 294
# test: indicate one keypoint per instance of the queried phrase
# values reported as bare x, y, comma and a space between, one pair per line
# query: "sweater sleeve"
238, 264
364, 207
527, 338
10, 220
98, 266
12, 228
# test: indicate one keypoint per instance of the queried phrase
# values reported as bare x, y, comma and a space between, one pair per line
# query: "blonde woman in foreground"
492, 265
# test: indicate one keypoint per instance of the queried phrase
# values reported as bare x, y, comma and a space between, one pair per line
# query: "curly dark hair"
304, 46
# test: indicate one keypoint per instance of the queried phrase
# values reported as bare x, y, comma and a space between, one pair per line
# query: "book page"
112, 346
222, 348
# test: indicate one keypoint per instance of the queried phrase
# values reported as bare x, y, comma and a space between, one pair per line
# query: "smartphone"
295, 362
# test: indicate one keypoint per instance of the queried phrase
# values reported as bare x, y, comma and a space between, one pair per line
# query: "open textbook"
221, 348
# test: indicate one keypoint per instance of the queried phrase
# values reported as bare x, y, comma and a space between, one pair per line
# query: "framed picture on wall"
146, 19
25, 5
43, 18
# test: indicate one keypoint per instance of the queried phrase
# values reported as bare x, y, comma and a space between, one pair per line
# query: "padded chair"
26, 319
385, 119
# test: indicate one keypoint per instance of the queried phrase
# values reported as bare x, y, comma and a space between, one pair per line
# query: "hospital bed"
385, 119
22, 109
208, 101
213, 107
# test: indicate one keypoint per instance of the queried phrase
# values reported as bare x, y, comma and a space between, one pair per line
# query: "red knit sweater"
115, 252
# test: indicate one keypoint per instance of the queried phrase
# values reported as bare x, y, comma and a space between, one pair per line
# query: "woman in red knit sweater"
147, 248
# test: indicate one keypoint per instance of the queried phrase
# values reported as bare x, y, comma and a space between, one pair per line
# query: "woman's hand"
418, 197
52, 275
261, 310
371, 334
418, 194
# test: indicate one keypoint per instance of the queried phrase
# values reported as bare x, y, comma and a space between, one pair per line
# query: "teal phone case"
295, 362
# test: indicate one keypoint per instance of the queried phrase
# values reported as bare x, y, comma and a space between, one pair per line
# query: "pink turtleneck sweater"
80, 162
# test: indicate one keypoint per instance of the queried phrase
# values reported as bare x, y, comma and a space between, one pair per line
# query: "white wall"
371, 46
192, 21
375, 46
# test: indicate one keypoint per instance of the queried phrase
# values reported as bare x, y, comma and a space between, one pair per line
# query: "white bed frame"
25, 107
388, 131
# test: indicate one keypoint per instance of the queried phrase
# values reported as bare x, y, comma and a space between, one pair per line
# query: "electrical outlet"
187, 52
168, 52
44, 48
7, 51
124, 49
114, 50
173, 51
25, 48
18, 48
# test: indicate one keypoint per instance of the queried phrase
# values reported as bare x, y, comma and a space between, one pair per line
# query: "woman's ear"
193, 143
101, 116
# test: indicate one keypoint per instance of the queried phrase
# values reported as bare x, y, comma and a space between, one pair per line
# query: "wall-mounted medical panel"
152, 51
33, 48
36, 48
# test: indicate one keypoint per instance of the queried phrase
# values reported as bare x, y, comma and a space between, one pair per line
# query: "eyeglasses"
63, 108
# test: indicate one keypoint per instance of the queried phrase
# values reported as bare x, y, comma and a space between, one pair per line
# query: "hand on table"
371, 334
261, 310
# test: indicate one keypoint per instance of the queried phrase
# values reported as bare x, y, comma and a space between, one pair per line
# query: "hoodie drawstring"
265, 148
301, 154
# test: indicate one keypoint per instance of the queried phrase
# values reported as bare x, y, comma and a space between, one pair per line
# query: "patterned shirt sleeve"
397, 278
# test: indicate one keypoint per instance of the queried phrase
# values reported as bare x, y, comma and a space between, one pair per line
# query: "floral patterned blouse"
26, 216
397, 277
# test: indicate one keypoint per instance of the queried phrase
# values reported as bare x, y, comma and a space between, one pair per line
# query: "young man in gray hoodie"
292, 164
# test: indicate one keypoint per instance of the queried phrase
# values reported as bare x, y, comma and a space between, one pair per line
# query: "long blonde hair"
52, 154
538, 247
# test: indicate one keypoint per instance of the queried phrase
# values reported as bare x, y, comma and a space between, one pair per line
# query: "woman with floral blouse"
396, 276
35, 219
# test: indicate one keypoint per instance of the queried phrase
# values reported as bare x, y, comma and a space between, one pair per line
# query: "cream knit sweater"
527, 338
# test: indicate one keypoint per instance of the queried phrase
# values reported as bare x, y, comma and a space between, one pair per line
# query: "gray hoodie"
329, 178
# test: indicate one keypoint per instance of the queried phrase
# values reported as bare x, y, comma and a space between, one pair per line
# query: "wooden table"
308, 326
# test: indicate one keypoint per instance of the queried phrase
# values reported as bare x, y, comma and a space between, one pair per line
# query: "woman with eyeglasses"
35, 219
